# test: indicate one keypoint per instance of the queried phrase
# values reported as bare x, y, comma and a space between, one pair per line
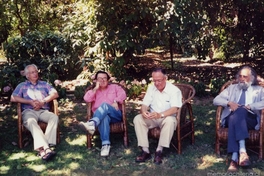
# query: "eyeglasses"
102, 79
33, 72
158, 80
243, 76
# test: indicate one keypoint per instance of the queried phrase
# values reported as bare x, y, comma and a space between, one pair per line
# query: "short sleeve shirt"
30, 91
158, 101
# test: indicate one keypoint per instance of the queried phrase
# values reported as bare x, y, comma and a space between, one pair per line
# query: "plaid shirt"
33, 92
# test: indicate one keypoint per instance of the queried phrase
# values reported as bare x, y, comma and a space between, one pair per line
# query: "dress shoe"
158, 157
143, 157
244, 159
233, 167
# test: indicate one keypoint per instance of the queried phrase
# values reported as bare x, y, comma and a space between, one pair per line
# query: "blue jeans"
103, 116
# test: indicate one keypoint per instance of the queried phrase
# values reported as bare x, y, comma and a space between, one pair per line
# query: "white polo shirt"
158, 101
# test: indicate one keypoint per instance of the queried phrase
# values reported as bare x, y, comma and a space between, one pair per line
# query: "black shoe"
143, 157
158, 157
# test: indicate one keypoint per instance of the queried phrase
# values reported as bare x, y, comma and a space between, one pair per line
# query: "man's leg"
52, 124
30, 121
237, 129
142, 127
102, 117
167, 126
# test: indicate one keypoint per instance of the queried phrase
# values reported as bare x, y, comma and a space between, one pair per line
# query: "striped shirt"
29, 91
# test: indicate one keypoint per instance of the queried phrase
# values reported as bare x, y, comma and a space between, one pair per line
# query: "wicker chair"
185, 119
43, 125
119, 127
255, 141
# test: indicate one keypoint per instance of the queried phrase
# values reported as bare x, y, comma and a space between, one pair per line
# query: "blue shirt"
30, 91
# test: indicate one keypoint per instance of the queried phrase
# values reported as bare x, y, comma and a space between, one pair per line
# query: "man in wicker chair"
34, 95
105, 108
242, 103
159, 108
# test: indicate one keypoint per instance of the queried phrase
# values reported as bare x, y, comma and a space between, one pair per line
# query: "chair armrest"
89, 111
261, 120
218, 117
19, 113
55, 106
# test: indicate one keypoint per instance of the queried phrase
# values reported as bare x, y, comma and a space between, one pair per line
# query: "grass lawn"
73, 158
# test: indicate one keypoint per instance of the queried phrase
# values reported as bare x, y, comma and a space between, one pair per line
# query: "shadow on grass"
73, 158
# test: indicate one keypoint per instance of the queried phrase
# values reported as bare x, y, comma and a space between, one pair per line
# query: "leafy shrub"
216, 84
200, 89
80, 91
52, 53
10, 77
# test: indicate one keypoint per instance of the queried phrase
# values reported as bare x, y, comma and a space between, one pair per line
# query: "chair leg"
89, 141
179, 147
58, 136
20, 137
125, 139
217, 147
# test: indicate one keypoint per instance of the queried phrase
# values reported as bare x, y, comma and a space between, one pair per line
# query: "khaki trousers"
167, 125
30, 121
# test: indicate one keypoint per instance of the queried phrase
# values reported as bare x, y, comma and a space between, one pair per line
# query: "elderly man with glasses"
34, 95
242, 103
159, 108
105, 108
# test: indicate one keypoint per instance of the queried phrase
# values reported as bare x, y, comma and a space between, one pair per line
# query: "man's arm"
19, 99
53, 95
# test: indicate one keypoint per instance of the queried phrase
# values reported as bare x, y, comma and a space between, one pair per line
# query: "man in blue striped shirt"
34, 95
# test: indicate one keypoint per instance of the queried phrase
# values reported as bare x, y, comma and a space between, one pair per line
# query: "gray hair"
26, 69
253, 74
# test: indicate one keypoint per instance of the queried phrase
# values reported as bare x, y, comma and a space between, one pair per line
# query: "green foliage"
10, 76
80, 91
200, 89
216, 84
61, 91
52, 53
136, 88
117, 68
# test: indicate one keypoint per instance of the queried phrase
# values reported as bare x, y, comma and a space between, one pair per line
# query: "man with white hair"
242, 103
34, 95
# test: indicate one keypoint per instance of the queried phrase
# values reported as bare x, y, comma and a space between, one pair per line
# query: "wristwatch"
162, 115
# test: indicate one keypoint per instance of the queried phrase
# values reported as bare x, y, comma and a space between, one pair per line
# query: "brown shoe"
233, 167
143, 157
158, 157
244, 159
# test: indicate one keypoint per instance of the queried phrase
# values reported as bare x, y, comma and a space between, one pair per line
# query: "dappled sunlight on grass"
198, 132
31, 158
4, 169
38, 168
16, 156
74, 165
74, 155
128, 151
77, 141
208, 161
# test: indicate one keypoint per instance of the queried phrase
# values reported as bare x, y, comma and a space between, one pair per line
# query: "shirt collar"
29, 83
165, 88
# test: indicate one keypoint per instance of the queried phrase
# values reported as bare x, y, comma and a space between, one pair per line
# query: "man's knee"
170, 121
241, 110
104, 105
137, 119
54, 118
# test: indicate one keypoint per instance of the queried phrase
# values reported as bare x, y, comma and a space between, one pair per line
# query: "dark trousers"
238, 123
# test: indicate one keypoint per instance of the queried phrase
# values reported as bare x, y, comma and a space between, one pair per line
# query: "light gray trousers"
30, 121
167, 125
